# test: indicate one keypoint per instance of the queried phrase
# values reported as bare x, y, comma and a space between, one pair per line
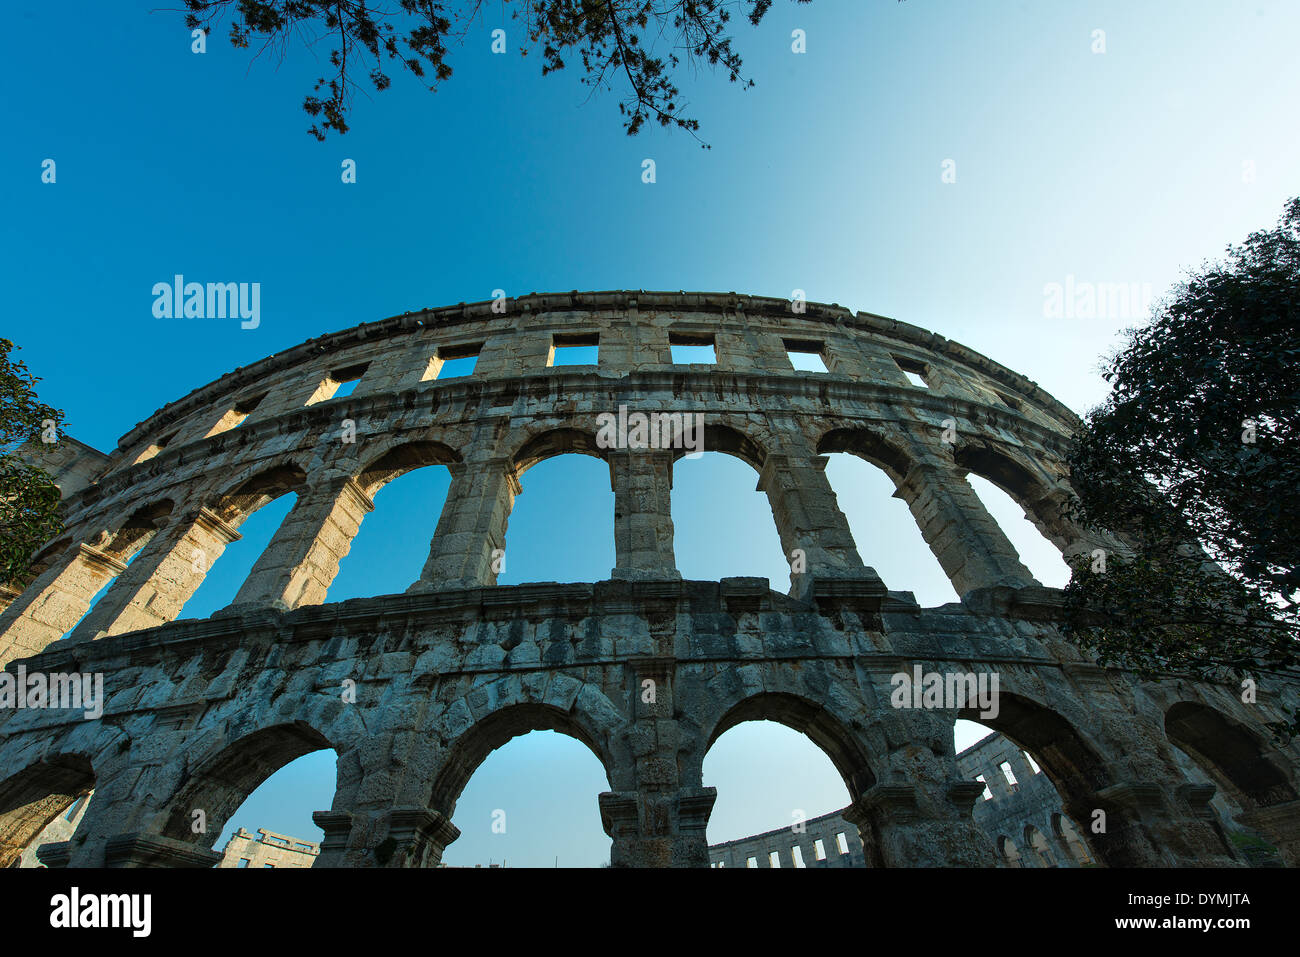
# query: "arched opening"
1008, 851
561, 527
200, 811
784, 770
523, 786
1032, 764
256, 508
126, 545
409, 487
723, 525
1031, 522
1036, 550
31, 799
885, 531
1068, 834
273, 827
1230, 753
1039, 848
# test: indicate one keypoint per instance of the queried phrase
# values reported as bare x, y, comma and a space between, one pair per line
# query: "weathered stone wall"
200, 712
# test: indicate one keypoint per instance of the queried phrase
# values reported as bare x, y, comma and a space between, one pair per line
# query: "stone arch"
1069, 760
138, 528
403, 457
1008, 851
812, 719
1068, 834
1037, 844
471, 748
47, 556
32, 798
223, 781
871, 446
248, 494
1042, 503
723, 437
555, 441
1232, 754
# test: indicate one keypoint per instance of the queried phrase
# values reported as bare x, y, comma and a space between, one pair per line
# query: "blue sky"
1126, 166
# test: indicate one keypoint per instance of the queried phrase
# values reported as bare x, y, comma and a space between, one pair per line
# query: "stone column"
908, 825
643, 524
658, 827
51, 604
472, 526
1151, 823
973, 550
155, 586
303, 556
809, 520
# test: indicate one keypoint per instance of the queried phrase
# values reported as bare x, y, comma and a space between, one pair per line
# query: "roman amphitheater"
414, 690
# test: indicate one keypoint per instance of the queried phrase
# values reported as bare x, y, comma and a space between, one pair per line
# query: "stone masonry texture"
413, 690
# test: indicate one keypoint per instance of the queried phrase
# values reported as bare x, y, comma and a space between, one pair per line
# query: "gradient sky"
1121, 167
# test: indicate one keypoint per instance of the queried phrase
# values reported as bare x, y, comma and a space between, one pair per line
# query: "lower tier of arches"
412, 692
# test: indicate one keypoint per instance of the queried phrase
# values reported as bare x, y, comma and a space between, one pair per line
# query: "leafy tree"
29, 500
1195, 458
616, 41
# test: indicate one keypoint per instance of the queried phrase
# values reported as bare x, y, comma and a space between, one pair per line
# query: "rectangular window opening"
796, 856
841, 843
819, 849
574, 350
345, 380
1005, 768
751, 862
916, 372
806, 355
452, 362
244, 862
774, 859
155, 448
237, 414
988, 795
1033, 765
691, 348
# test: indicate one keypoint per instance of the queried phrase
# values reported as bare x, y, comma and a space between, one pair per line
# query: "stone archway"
224, 781
1242, 762
32, 798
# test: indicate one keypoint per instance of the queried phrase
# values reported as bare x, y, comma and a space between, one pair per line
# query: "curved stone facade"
412, 691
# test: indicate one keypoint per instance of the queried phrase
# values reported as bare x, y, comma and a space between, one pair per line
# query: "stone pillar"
643, 524
809, 519
905, 825
1146, 827
156, 586
658, 827
417, 836
303, 557
337, 826
973, 550
51, 604
472, 526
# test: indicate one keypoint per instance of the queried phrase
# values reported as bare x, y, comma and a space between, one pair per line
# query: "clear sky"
1126, 166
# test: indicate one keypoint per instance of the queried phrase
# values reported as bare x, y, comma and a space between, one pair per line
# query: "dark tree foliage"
1195, 458
29, 500
636, 44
